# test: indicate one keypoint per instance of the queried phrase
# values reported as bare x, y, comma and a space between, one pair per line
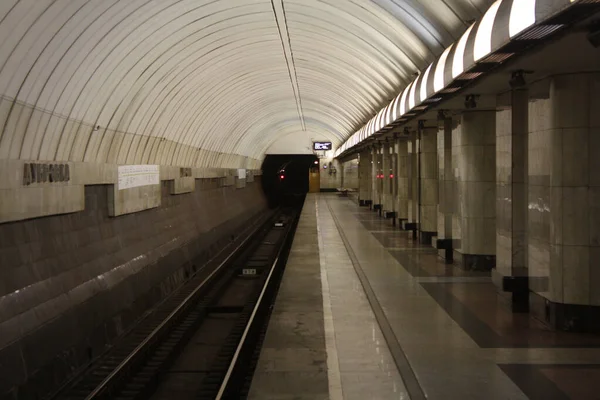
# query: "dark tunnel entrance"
285, 177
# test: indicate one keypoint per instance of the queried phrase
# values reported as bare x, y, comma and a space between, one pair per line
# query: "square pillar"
428, 184
402, 180
512, 129
564, 204
386, 173
364, 179
476, 191
375, 178
412, 222
445, 188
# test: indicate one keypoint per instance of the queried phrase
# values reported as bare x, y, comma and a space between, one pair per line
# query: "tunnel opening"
285, 177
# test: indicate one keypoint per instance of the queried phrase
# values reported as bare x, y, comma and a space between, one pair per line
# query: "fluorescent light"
483, 40
395, 107
424, 83
522, 16
438, 78
459, 55
403, 99
411, 96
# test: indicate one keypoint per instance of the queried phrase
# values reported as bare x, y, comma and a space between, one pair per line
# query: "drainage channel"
202, 342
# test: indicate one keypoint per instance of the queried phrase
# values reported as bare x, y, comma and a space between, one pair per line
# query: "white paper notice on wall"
131, 176
241, 173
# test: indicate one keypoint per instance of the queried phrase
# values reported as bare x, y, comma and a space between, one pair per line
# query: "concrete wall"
72, 283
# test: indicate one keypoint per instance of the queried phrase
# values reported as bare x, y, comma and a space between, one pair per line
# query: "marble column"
402, 180
476, 190
412, 222
512, 129
387, 203
564, 204
428, 182
445, 188
393, 181
375, 177
364, 179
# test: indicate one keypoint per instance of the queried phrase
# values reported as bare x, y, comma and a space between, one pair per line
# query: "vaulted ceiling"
178, 81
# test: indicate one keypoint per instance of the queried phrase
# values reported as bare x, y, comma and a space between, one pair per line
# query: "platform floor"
364, 312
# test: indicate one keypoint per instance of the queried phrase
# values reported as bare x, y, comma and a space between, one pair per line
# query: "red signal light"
281, 176
392, 176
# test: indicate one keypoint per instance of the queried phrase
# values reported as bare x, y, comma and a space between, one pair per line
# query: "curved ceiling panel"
178, 81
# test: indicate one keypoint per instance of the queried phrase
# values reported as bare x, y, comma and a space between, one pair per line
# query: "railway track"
202, 341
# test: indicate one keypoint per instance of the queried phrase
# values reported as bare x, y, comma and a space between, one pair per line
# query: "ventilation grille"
450, 90
540, 32
468, 76
498, 57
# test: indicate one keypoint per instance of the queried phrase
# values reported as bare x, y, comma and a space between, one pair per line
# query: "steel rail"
241, 344
104, 384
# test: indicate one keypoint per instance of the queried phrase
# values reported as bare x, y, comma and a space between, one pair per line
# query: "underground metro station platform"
299, 199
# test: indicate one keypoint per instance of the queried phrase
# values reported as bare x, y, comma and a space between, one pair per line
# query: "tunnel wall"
72, 283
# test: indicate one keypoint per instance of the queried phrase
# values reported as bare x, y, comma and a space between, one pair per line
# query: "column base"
565, 317
475, 262
376, 207
517, 286
364, 203
426, 237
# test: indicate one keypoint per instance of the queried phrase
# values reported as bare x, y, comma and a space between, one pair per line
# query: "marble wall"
72, 283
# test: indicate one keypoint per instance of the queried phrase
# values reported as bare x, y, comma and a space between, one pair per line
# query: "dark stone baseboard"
376, 207
409, 226
443, 244
328, 190
445, 249
565, 317
401, 221
364, 203
475, 262
426, 237
389, 214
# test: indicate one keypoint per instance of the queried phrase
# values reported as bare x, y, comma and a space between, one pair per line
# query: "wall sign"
322, 146
241, 173
185, 172
131, 176
42, 173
